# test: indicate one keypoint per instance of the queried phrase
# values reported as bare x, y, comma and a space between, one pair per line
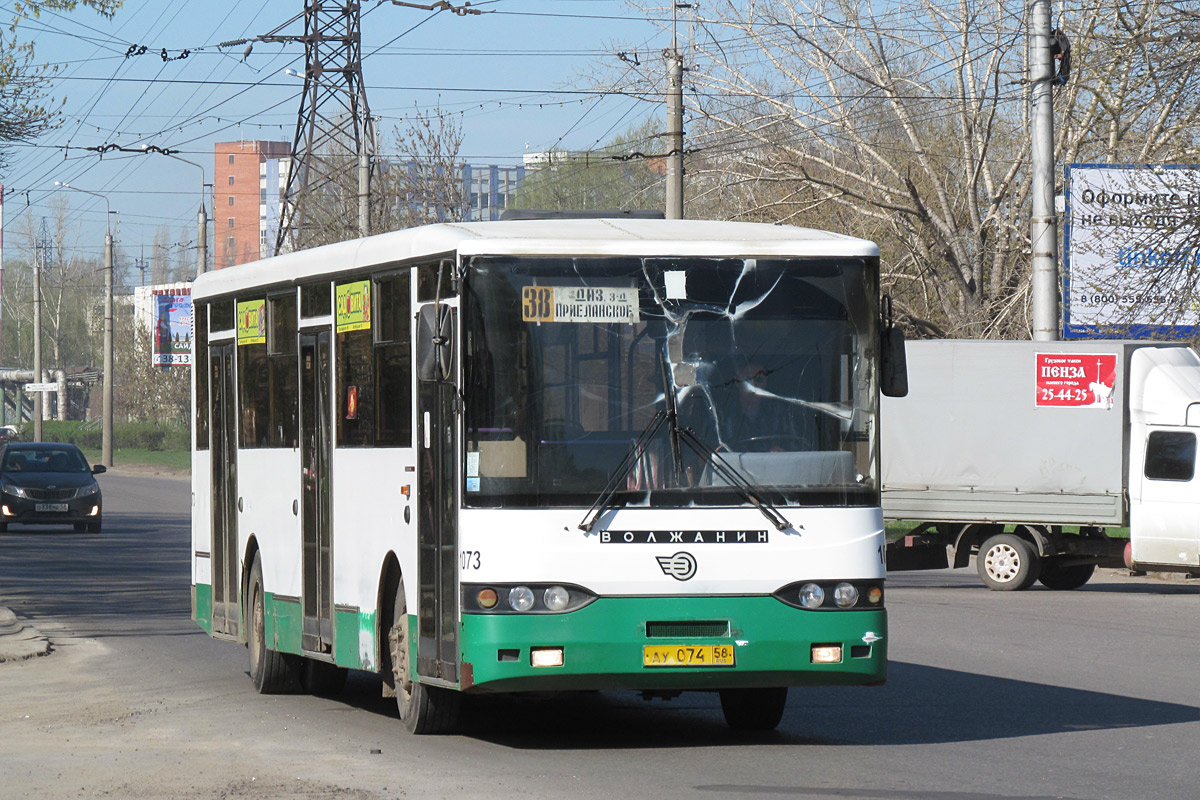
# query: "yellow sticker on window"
352, 306
252, 322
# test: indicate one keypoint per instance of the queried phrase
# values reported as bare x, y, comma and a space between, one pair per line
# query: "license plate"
687, 655
50, 507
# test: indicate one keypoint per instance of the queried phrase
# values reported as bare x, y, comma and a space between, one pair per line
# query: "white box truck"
1025, 453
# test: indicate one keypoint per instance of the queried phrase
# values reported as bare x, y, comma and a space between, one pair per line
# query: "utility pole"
40, 249
106, 426
1043, 227
674, 208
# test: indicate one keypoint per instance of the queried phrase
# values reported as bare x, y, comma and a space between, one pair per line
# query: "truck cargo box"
1016, 432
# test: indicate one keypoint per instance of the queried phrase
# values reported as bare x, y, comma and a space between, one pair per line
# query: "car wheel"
1008, 563
93, 527
3, 527
1055, 576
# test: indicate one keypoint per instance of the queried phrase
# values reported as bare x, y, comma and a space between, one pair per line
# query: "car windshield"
44, 460
766, 363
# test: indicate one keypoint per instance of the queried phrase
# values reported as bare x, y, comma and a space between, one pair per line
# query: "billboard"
172, 339
1131, 251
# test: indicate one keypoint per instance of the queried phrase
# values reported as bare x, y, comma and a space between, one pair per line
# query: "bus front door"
316, 443
226, 618
437, 533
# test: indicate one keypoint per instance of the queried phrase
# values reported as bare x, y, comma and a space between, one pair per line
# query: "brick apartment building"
237, 198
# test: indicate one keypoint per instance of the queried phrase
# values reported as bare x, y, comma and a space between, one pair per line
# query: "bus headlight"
811, 595
524, 598
556, 598
845, 595
520, 598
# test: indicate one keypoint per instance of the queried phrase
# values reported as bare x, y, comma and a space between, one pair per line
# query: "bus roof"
564, 237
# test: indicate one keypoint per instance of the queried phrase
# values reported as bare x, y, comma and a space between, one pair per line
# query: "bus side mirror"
435, 342
893, 378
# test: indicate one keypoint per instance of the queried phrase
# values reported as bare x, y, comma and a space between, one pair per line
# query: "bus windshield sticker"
597, 304
252, 322
352, 306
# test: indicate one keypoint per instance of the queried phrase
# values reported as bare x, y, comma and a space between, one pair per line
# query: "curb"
19, 640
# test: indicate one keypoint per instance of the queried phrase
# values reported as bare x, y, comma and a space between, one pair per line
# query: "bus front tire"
424, 709
754, 709
271, 672
1008, 563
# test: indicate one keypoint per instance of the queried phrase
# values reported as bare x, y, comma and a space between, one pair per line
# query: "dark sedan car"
44, 483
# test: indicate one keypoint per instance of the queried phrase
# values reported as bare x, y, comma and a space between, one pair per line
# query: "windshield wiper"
727, 471
622, 471
733, 477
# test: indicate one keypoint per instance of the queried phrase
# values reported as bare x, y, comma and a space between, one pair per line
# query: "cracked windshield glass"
660, 368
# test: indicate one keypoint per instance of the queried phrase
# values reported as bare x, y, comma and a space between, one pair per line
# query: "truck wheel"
753, 709
423, 709
1059, 577
1008, 563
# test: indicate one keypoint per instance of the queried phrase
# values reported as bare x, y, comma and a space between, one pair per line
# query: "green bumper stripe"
602, 645
202, 606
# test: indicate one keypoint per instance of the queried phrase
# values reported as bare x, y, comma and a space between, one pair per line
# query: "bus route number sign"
596, 304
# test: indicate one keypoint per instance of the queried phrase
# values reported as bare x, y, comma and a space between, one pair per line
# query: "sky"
516, 76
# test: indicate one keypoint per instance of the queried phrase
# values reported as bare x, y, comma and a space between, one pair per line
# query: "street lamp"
201, 217
106, 447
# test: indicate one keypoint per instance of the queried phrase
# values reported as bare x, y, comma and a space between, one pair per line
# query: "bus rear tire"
271, 672
1008, 563
424, 709
754, 709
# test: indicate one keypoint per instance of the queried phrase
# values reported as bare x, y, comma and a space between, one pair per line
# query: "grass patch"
166, 459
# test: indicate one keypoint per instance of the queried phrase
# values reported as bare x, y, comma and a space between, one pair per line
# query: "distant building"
238, 199
488, 188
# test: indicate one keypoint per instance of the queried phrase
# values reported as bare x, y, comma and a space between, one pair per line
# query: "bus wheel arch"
252, 553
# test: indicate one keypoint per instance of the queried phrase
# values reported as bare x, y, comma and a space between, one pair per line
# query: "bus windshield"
766, 363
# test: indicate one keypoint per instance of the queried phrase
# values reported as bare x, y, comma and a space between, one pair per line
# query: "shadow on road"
919, 705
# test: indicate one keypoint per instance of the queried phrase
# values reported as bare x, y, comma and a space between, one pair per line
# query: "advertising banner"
172, 346
352, 306
1075, 380
1131, 251
252, 322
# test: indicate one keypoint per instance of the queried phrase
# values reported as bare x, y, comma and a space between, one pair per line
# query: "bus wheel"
272, 672
1058, 577
321, 678
423, 709
1008, 563
753, 709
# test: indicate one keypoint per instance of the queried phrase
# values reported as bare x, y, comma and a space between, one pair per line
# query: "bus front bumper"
637, 643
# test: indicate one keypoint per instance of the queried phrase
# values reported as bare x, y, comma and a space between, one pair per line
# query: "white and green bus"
546, 455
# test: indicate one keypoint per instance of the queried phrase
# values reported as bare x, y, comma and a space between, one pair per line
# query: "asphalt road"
1085, 694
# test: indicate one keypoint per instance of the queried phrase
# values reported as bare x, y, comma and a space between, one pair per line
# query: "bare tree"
423, 183
908, 124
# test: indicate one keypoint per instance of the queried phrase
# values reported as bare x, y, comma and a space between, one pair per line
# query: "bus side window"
281, 358
393, 362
